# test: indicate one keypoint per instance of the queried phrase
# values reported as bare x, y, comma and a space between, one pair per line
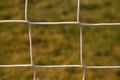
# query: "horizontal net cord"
30, 65
58, 66
79, 66
17, 65
95, 67
45, 23
26, 21
99, 24
5, 21
54, 22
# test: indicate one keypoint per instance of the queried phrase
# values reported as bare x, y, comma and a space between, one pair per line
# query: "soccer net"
78, 22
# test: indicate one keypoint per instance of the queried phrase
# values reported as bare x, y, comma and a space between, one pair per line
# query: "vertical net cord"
78, 11
84, 73
81, 53
81, 46
34, 75
78, 20
26, 10
30, 42
30, 33
31, 56
30, 39
81, 41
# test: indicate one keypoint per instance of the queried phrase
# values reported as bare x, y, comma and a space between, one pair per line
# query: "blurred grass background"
59, 44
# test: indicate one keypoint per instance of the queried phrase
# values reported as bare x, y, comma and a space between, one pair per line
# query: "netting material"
81, 43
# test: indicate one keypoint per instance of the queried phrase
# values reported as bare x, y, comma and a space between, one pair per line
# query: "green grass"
59, 44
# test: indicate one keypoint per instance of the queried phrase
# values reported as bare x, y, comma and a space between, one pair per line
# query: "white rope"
30, 39
81, 46
58, 66
6, 21
54, 23
78, 11
34, 75
81, 24
100, 24
17, 65
26, 10
84, 67
84, 73
95, 67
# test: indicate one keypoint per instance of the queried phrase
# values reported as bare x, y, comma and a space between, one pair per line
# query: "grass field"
59, 44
